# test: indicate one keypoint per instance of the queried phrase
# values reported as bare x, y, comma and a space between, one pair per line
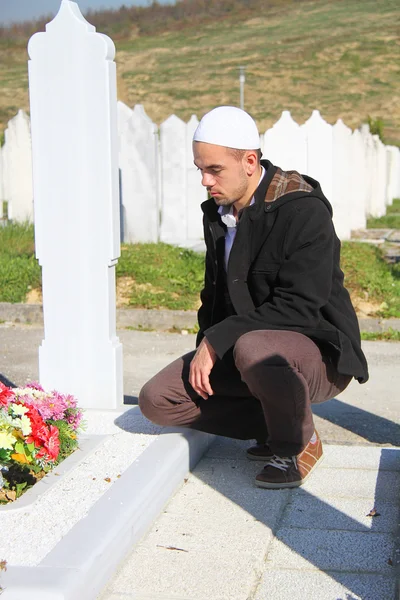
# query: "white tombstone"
17, 168
370, 164
378, 184
319, 151
195, 192
393, 174
343, 201
2, 182
173, 167
358, 191
72, 81
285, 145
139, 171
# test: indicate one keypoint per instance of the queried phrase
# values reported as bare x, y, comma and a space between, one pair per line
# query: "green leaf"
20, 448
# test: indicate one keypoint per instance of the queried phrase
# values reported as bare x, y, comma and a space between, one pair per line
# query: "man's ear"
250, 162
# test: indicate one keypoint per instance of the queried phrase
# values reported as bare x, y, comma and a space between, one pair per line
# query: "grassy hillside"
340, 56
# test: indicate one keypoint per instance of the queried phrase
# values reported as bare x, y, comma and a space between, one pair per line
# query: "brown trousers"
263, 390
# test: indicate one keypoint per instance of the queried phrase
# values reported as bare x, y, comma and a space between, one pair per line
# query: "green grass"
164, 276
369, 277
19, 269
391, 335
389, 221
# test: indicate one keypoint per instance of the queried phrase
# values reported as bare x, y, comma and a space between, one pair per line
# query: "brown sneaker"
291, 471
259, 452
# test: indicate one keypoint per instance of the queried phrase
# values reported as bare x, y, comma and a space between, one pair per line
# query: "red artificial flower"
5, 394
39, 433
51, 443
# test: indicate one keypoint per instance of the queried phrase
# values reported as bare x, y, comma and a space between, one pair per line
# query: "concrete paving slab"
284, 584
361, 457
323, 550
352, 483
305, 512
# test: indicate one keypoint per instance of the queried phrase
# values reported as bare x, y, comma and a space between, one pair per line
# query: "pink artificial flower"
35, 385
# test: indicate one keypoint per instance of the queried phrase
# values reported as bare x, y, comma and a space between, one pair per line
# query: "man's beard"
237, 195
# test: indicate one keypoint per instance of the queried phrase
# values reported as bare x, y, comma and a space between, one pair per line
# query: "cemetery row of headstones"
160, 189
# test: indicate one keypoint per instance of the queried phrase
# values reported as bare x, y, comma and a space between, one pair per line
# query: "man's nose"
207, 180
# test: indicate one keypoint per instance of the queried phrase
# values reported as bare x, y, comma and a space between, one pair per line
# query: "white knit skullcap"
230, 127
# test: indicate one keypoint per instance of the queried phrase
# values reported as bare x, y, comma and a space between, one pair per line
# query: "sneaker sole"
289, 484
258, 457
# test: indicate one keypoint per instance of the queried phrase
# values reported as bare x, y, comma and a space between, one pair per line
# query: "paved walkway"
219, 536
222, 538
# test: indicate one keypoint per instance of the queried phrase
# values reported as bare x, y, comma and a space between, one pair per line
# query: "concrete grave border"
80, 565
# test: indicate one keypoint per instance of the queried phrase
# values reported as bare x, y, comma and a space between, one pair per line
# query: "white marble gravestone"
285, 145
139, 173
17, 169
173, 184
393, 173
343, 200
72, 82
319, 151
358, 181
195, 192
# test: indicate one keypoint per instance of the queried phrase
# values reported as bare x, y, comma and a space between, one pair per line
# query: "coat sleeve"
303, 284
204, 314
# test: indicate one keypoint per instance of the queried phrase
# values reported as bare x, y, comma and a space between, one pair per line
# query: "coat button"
268, 208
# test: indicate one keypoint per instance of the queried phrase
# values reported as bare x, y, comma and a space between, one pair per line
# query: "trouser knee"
151, 405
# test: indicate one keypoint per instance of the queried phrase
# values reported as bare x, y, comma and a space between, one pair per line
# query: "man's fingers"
199, 383
205, 382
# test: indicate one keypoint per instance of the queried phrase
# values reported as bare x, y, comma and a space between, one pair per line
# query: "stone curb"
81, 564
159, 320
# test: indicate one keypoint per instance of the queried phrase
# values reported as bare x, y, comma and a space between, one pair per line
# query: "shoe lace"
281, 462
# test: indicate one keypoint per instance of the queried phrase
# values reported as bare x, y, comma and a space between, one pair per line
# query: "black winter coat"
283, 273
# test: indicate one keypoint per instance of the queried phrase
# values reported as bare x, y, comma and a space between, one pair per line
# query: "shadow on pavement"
357, 554
373, 428
5, 381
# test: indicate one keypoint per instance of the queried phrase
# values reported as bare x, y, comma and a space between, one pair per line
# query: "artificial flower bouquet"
38, 430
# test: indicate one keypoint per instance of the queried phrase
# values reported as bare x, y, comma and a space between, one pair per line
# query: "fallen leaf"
3, 565
118, 476
172, 548
108, 479
373, 513
390, 562
11, 495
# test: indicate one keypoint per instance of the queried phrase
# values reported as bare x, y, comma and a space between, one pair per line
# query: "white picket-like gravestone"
378, 183
195, 192
370, 166
285, 145
319, 151
139, 166
72, 83
342, 199
358, 192
17, 160
173, 183
393, 173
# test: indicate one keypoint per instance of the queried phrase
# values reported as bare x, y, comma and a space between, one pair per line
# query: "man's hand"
200, 369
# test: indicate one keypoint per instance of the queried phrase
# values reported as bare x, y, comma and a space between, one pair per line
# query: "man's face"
222, 174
